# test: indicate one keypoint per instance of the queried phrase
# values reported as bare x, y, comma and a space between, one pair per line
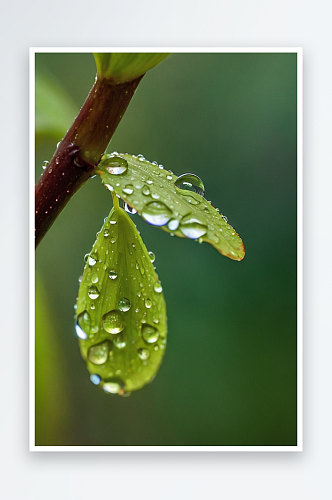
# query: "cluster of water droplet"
119, 339
175, 204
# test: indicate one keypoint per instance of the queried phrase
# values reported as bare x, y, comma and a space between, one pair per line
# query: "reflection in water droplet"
93, 292
173, 224
190, 182
83, 325
156, 213
158, 288
112, 274
124, 304
98, 353
152, 256
106, 233
128, 189
129, 209
115, 165
113, 322
149, 181
143, 353
95, 379
193, 226
149, 333
114, 386
169, 177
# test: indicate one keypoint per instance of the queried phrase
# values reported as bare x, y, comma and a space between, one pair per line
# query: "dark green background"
229, 373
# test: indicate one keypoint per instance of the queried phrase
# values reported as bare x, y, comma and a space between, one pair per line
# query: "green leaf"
121, 311
122, 67
54, 109
168, 201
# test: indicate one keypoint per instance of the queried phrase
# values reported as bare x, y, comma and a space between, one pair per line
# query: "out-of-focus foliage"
229, 376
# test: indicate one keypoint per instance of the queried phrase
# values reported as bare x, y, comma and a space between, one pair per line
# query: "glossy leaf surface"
121, 312
170, 202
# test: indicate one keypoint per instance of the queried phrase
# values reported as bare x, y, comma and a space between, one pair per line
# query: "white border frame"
299, 52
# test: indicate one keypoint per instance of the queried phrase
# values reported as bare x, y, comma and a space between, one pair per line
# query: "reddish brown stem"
80, 150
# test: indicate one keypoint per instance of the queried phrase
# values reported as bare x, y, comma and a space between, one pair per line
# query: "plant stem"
80, 150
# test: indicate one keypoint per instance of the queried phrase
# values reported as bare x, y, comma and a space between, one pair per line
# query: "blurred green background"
229, 374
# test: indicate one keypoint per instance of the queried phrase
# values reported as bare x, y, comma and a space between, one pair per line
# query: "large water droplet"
112, 274
113, 322
98, 353
124, 304
92, 259
156, 213
173, 224
146, 190
158, 288
193, 226
190, 182
93, 292
115, 165
128, 189
148, 303
143, 353
149, 333
83, 325
114, 386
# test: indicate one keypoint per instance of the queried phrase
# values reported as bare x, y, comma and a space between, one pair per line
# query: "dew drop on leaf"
124, 304
192, 226
115, 165
156, 213
113, 322
190, 182
98, 354
149, 333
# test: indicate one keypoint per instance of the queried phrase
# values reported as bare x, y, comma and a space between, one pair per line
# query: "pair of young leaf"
121, 312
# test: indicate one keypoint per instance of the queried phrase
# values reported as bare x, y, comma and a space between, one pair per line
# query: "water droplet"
129, 209
158, 288
112, 240
124, 304
148, 303
149, 181
193, 226
128, 189
98, 353
95, 379
173, 224
155, 196
93, 292
156, 213
190, 199
95, 278
115, 165
143, 353
80, 279
190, 182
146, 190
106, 233
92, 259
119, 341
149, 333
112, 274
141, 157
45, 163
113, 322
83, 324
169, 177
152, 256
114, 386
